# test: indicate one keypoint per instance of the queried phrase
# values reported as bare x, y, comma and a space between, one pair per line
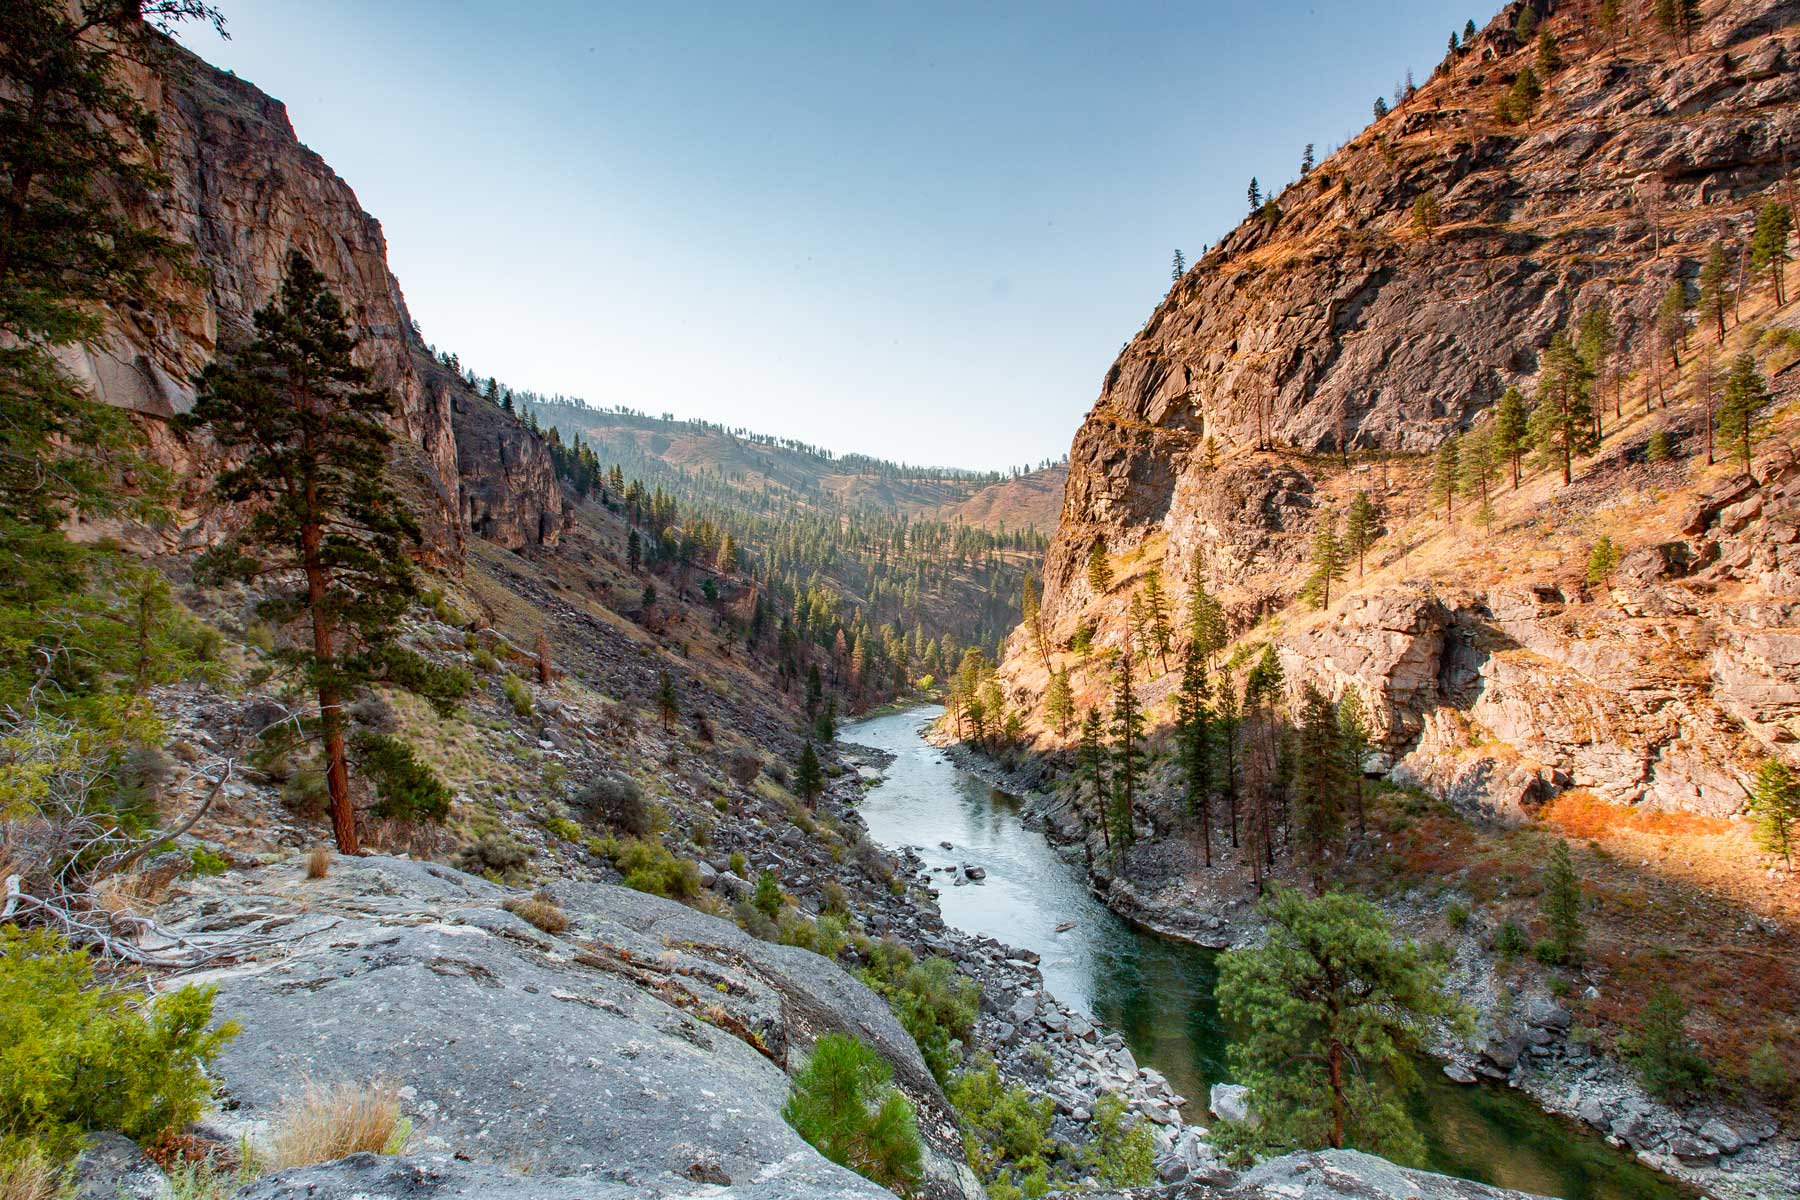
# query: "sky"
920, 230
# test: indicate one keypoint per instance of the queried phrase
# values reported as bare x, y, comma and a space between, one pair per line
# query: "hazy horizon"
922, 237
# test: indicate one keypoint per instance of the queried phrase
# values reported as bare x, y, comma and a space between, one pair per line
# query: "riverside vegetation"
570, 730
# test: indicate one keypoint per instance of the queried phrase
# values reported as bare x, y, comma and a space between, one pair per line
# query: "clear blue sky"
917, 230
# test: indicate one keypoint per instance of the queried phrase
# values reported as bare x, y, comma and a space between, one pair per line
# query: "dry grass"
540, 910
324, 1123
318, 863
30, 1177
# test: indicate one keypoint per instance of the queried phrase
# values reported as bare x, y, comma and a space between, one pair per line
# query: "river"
1158, 992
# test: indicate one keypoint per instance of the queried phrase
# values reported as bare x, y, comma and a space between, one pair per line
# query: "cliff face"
1341, 323
244, 192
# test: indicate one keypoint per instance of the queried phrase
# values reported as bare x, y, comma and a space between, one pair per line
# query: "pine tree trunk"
331, 704
1334, 1059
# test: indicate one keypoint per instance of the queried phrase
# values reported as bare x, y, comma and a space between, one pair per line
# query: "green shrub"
76, 1058
1769, 1075
493, 855
739, 867
517, 694
563, 828
485, 662
1603, 559
935, 1004
618, 802
1511, 941
1005, 1131
406, 788
1456, 913
768, 899
1658, 449
306, 792
1122, 1154
205, 862
649, 867
753, 921
843, 1104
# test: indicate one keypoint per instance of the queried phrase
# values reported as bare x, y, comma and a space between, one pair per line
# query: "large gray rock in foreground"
1324, 1175
644, 1050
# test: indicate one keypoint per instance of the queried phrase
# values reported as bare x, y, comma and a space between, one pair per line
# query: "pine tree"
1511, 430
1059, 702
1740, 410
1354, 741
1194, 737
1607, 18
1475, 471
1335, 1011
1093, 760
1715, 290
1127, 734
1469, 32
1425, 214
1444, 475
668, 702
1306, 161
1381, 107
1562, 907
1205, 619
1255, 195
1562, 424
1775, 808
1327, 560
634, 550
1596, 342
1099, 570
1549, 54
1768, 246
1361, 525
1526, 26
311, 436
1178, 268
1229, 720
1679, 19
1667, 1059
1671, 320
1320, 781
809, 776
1156, 617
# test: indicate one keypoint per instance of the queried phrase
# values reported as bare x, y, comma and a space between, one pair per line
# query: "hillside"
1605, 663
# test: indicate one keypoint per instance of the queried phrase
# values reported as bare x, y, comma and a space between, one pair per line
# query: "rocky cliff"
1331, 339
244, 192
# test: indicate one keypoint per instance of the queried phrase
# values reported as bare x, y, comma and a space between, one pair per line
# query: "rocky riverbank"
1525, 1038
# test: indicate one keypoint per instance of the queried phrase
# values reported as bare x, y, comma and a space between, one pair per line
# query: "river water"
1158, 992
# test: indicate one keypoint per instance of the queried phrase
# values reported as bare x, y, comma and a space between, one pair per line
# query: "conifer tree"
634, 550
1335, 1011
1178, 268
1597, 343
1354, 742
325, 530
1093, 761
1444, 475
1193, 729
1255, 194
1206, 620
1319, 781
1360, 526
668, 702
1511, 429
1156, 617
1715, 290
1327, 560
1667, 1059
1607, 17
1562, 907
1740, 410
1306, 161
1059, 702
809, 776
1127, 734
1469, 32
1475, 471
1768, 246
1381, 107
1229, 722
1526, 26
1549, 54
1671, 320
1679, 19
1425, 214
1262, 696
1562, 424
1099, 570
1775, 808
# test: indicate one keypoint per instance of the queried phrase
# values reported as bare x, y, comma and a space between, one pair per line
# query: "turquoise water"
1158, 993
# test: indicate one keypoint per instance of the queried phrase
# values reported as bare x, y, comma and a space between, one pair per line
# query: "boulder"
1231, 1102
112, 1167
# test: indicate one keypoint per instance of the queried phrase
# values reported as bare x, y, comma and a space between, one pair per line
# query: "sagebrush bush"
649, 867
845, 1106
492, 854
76, 1058
618, 802
406, 787
517, 695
